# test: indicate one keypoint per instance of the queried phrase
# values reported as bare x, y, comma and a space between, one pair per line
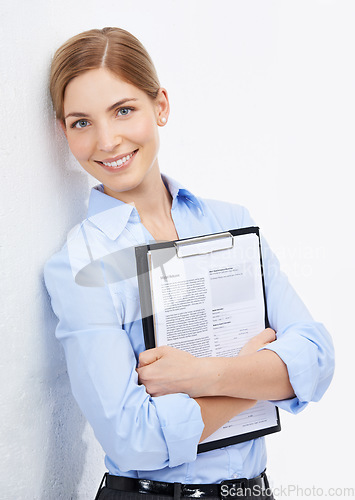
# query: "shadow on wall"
64, 456
65, 451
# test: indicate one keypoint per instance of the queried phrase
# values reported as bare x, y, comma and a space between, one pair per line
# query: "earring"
163, 120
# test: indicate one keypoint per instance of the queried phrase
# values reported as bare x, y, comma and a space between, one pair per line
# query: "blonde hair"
112, 48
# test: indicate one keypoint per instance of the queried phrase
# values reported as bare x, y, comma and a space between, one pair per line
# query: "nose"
107, 138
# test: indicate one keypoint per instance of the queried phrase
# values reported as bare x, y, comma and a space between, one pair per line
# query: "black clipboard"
144, 285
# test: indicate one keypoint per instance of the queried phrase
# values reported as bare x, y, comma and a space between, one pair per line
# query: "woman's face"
112, 129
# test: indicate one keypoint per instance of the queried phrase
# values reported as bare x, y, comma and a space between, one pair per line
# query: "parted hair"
112, 48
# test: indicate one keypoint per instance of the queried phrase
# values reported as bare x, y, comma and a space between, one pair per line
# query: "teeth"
118, 163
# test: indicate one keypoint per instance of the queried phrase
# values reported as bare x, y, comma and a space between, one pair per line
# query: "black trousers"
109, 494
119, 488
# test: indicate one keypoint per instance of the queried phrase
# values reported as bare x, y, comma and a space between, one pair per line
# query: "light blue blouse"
101, 331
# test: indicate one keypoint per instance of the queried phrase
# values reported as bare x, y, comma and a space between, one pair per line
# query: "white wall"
262, 96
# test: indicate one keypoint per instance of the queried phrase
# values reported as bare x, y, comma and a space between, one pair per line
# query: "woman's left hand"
166, 370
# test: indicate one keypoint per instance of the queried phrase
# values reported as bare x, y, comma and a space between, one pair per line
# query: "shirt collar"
107, 213
120, 213
178, 191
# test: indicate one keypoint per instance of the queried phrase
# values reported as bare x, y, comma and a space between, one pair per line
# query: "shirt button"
235, 476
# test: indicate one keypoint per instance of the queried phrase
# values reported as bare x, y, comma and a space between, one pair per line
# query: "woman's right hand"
260, 340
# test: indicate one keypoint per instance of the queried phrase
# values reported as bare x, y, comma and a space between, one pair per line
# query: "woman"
109, 103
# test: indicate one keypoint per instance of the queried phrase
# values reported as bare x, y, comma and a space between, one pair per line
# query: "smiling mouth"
117, 163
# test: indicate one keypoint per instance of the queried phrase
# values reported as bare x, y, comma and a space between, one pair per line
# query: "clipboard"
154, 263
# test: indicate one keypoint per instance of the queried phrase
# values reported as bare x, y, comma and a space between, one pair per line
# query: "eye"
124, 111
80, 124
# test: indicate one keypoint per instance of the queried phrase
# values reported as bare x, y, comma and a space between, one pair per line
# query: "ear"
163, 107
62, 126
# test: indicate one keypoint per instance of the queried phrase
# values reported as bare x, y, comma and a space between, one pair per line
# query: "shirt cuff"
182, 426
300, 355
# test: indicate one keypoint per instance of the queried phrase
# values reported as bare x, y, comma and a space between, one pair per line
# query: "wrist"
211, 376
222, 374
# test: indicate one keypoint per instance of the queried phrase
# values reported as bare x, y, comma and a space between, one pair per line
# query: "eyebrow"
110, 108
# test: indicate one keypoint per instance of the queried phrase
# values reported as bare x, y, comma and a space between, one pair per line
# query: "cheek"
145, 132
80, 147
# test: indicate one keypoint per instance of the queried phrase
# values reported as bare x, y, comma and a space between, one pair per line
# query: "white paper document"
208, 300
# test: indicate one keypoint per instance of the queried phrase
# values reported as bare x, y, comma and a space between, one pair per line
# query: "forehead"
97, 89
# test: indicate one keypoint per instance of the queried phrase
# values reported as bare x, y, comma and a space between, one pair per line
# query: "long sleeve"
135, 430
303, 344
101, 332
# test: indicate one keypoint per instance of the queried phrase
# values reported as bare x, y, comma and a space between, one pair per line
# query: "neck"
153, 203
150, 198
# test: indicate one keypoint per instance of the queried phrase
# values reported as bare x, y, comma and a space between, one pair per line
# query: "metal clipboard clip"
204, 244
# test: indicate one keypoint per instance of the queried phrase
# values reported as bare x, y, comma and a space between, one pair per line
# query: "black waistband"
226, 489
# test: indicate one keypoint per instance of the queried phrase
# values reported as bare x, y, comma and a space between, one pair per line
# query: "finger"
151, 388
141, 371
271, 334
268, 335
149, 356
